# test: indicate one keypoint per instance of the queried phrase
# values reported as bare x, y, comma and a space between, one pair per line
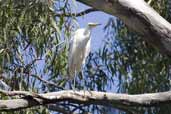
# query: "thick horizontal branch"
140, 17
77, 14
84, 97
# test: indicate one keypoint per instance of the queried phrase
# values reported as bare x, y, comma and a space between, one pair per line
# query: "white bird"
79, 49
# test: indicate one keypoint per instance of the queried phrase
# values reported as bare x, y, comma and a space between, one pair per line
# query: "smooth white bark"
140, 17
83, 97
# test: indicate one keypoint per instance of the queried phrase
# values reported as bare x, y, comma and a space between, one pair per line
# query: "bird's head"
92, 25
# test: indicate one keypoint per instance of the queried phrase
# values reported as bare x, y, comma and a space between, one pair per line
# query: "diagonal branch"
141, 18
77, 14
87, 98
47, 82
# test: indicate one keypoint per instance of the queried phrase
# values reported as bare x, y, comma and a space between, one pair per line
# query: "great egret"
79, 48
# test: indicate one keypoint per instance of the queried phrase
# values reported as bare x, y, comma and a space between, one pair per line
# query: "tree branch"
22, 93
140, 17
77, 14
85, 97
47, 82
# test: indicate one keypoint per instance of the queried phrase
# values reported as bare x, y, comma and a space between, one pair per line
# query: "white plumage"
79, 49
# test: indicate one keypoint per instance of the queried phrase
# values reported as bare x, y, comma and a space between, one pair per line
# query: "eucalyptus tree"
33, 57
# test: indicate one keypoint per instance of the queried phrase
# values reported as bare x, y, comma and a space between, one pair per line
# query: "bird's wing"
71, 41
87, 51
70, 44
74, 39
70, 56
70, 50
77, 51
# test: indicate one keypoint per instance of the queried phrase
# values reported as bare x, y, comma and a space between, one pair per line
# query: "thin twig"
47, 82
77, 14
149, 2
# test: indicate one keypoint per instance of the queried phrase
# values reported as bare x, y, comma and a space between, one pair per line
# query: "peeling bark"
85, 97
140, 17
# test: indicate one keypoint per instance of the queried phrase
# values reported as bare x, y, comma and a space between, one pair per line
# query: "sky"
97, 37
98, 34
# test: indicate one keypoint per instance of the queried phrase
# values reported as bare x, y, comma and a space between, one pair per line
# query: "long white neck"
87, 30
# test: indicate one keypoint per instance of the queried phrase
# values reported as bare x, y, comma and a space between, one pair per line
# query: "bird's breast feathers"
80, 34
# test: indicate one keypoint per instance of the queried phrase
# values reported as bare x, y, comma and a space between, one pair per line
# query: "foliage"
32, 49
136, 65
29, 36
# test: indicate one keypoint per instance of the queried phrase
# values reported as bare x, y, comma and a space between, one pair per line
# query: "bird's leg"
75, 75
70, 83
73, 81
84, 80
